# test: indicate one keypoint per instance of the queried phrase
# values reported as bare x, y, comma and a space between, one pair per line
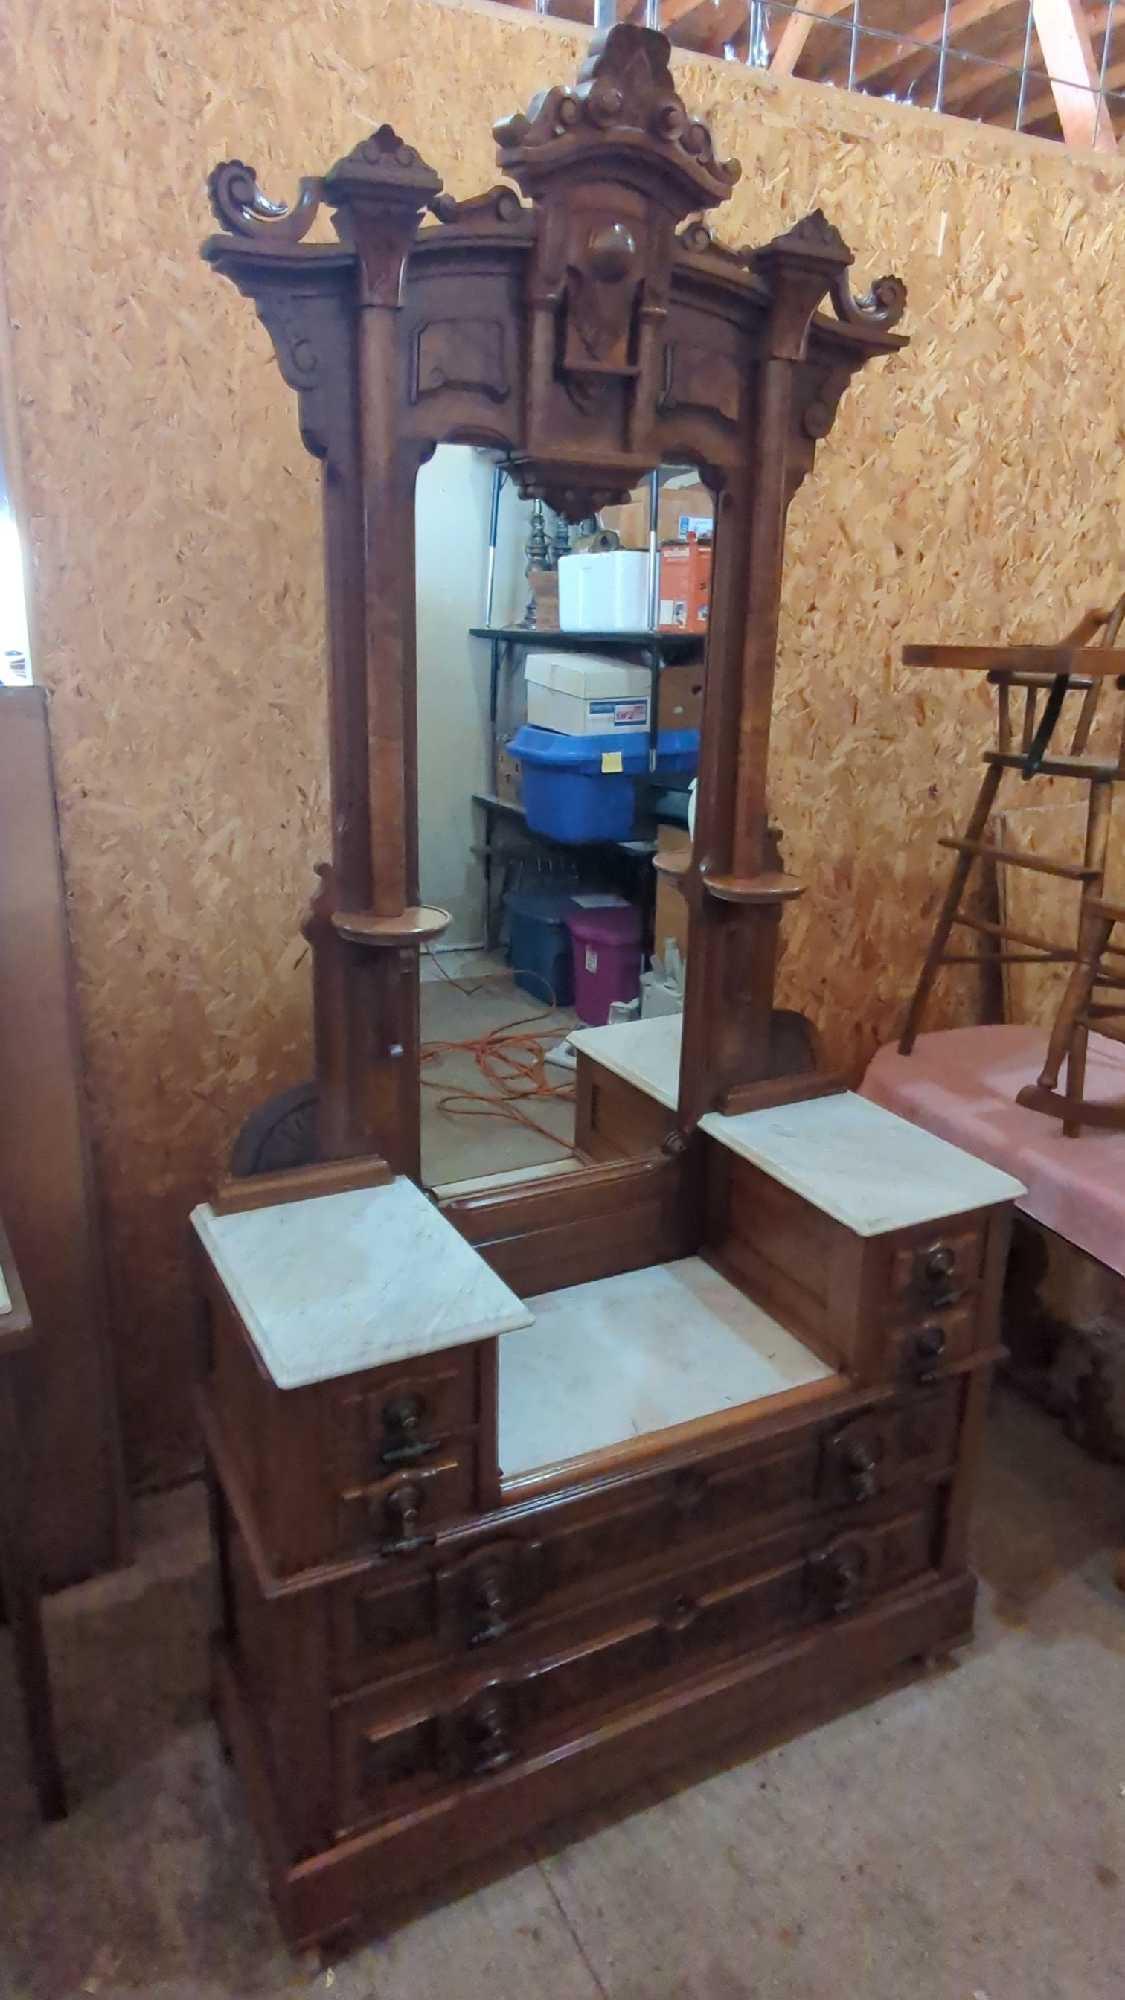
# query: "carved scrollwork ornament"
239, 206
498, 204
882, 306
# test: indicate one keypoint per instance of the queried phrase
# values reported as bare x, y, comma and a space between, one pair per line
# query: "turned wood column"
738, 890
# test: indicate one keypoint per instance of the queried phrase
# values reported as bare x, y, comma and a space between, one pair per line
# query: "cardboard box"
671, 920
684, 509
685, 586
582, 694
681, 696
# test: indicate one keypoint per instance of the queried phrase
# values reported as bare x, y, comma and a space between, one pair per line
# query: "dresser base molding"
367, 1882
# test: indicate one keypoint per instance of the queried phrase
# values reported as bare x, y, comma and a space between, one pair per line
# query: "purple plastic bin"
607, 960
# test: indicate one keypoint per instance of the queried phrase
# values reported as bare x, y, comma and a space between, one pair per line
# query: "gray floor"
962, 1838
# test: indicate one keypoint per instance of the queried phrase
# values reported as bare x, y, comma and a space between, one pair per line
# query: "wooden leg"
950, 905
19, 1580
1076, 1074
1075, 1001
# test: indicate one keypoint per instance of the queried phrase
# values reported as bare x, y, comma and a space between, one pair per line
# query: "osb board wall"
970, 490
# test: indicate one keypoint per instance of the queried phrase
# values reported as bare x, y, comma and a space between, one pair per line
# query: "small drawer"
406, 1418
398, 1515
934, 1272
918, 1351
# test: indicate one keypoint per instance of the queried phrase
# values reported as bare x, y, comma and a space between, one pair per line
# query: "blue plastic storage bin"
539, 944
677, 753
567, 792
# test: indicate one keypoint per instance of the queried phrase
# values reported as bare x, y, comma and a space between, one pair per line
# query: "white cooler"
584, 694
605, 592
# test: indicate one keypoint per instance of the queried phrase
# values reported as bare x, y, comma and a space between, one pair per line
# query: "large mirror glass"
560, 691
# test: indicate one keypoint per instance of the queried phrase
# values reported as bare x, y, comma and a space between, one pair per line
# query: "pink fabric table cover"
961, 1084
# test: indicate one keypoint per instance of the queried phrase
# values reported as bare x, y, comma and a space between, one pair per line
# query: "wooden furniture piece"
19, 1560
1080, 1013
525, 1491
1076, 667
47, 1195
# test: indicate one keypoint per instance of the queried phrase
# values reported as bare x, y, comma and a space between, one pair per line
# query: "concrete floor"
962, 1838
460, 1138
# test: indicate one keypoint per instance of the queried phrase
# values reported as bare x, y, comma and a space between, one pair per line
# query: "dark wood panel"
46, 1183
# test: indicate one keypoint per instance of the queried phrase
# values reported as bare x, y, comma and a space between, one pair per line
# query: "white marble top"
623, 1357
350, 1281
646, 1053
866, 1167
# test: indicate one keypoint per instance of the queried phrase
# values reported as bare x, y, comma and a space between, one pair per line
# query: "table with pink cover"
961, 1084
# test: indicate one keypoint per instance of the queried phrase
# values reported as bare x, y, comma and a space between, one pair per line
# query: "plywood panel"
970, 490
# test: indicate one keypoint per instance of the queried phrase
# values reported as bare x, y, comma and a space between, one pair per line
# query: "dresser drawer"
918, 1350
399, 1514
469, 1595
389, 1755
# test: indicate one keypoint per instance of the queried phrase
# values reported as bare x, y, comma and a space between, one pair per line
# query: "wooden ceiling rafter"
1075, 74
1044, 105
887, 54
796, 32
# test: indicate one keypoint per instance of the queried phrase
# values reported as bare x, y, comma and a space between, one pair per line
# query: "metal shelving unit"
507, 644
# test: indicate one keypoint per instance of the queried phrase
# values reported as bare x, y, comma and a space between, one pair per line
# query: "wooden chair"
1053, 674
1078, 1013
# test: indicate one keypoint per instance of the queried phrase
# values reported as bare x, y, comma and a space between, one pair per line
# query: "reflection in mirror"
560, 690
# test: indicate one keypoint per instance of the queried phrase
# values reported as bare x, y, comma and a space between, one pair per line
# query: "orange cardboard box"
685, 586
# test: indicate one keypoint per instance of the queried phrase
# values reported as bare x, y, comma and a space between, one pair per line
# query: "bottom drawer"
386, 1758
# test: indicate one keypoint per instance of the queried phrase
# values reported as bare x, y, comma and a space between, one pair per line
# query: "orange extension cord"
512, 1063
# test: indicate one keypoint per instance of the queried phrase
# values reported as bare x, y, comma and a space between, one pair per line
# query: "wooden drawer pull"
402, 1427
401, 1511
486, 1737
861, 1470
489, 1620
681, 1615
690, 1490
927, 1349
936, 1269
837, 1578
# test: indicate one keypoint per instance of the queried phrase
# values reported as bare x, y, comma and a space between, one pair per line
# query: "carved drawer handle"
681, 1615
690, 1490
486, 1731
861, 1470
402, 1427
936, 1269
490, 1611
838, 1579
927, 1350
400, 1512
